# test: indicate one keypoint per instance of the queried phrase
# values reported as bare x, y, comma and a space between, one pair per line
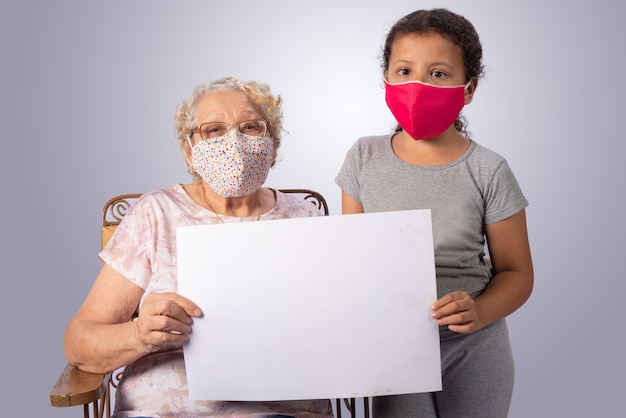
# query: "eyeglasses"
209, 130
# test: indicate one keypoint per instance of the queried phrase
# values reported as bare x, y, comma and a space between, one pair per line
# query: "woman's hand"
458, 311
164, 321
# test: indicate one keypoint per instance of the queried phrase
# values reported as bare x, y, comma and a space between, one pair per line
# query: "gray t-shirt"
477, 189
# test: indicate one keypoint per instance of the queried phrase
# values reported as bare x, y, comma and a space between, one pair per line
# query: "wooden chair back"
116, 208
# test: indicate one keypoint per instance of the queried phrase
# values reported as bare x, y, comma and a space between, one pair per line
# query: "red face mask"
424, 111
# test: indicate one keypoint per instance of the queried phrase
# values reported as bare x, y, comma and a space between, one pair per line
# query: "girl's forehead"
425, 47
432, 40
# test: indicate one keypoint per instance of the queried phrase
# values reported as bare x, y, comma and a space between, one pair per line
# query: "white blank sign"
311, 308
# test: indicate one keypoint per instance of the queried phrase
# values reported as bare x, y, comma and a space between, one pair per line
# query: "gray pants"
477, 374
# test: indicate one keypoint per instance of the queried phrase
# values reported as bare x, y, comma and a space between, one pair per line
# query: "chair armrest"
76, 387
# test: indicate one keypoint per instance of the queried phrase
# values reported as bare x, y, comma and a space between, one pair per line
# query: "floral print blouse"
143, 249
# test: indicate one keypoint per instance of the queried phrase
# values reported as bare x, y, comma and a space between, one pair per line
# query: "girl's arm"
349, 205
510, 287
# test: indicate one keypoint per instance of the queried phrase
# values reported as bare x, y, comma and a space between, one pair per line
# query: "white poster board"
307, 308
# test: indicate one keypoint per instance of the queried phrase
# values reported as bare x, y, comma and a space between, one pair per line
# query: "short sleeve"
504, 196
132, 246
348, 177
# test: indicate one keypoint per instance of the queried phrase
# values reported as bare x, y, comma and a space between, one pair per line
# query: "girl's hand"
458, 311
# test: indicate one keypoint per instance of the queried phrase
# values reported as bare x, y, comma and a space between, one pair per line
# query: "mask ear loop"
190, 169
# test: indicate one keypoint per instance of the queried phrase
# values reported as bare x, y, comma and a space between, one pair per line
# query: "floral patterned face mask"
234, 164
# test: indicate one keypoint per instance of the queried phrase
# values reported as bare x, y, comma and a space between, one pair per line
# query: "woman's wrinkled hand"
164, 321
458, 311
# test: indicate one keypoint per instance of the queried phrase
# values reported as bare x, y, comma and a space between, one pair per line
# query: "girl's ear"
470, 90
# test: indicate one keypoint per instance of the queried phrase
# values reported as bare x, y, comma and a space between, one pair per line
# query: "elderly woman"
229, 132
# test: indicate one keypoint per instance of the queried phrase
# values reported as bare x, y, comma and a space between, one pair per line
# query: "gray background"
88, 91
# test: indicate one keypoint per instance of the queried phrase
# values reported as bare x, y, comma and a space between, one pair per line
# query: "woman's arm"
101, 336
509, 289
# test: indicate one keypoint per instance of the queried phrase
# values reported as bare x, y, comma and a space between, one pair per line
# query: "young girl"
432, 63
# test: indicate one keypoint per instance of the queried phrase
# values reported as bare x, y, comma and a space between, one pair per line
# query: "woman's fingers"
173, 305
165, 320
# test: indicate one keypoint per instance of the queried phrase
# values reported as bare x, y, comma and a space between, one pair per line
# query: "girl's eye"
437, 74
404, 71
